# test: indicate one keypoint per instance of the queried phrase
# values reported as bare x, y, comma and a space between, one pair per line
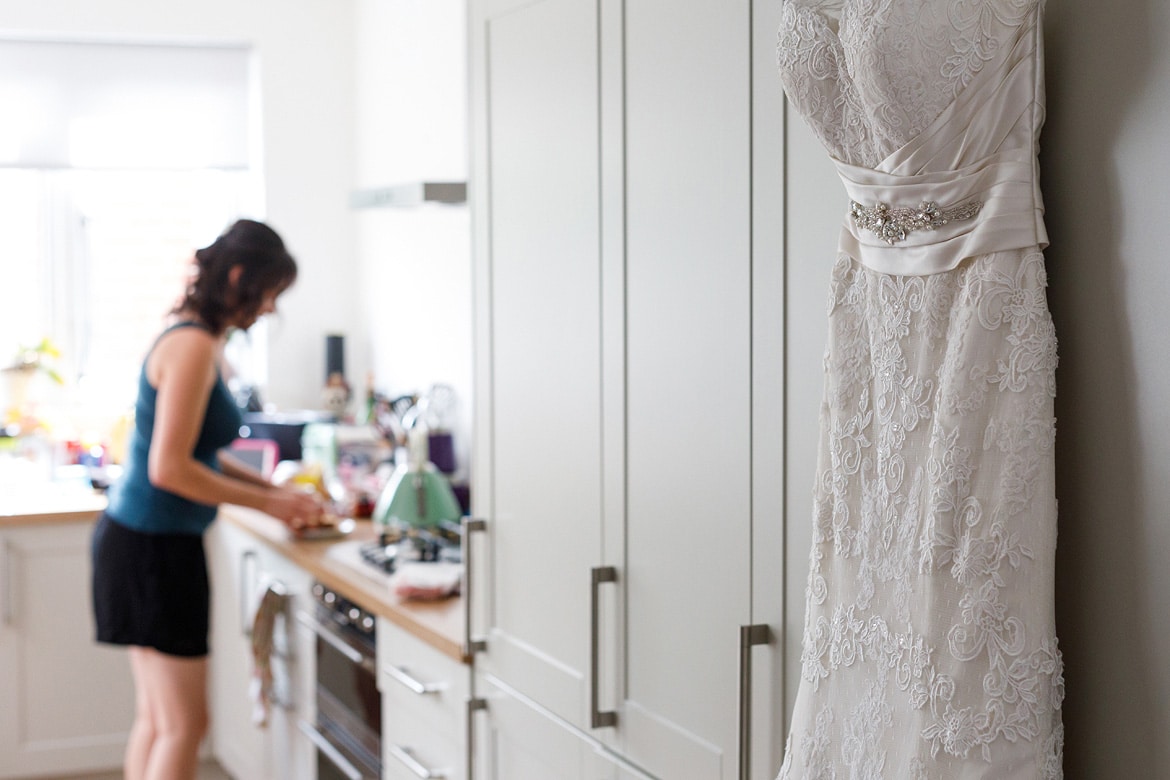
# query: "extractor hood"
410, 194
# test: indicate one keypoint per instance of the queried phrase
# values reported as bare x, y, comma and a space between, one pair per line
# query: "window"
95, 260
121, 159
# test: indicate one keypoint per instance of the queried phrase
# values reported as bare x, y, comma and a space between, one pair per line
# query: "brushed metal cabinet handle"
406, 757
473, 706
597, 718
6, 580
245, 557
470, 646
401, 675
749, 637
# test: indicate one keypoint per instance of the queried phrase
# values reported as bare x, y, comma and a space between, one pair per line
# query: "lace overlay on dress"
871, 82
900, 497
929, 647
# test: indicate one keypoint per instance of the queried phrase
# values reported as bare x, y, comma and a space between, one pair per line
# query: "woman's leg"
142, 732
175, 689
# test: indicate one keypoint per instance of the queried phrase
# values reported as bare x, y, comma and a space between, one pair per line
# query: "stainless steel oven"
347, 731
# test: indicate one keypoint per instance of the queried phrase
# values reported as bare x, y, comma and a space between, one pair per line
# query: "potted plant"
28, 363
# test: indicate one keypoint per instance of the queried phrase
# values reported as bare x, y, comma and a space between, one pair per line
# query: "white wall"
1105, 165
415, 263
304, 50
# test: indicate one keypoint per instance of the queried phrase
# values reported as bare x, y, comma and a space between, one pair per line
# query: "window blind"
106, 105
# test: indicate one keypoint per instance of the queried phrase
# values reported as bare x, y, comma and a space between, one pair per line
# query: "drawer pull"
406, 756
413, 683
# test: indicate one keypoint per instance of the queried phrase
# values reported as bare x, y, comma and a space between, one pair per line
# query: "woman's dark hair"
266, 267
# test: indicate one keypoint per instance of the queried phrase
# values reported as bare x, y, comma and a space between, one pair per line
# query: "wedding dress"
929, 646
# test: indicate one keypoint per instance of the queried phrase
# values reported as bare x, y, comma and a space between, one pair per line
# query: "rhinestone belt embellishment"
895, 224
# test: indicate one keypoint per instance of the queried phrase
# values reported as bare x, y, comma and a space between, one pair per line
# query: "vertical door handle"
470, 646
473, 706
597, 718
6, 580
245, 624
749, 637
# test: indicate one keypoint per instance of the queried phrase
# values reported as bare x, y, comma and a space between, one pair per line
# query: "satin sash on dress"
959, 159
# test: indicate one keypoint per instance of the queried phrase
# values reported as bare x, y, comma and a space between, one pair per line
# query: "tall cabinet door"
687, 583
234, 565
538, 351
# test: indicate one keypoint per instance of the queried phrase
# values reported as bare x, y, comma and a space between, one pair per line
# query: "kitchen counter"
50, 503
438, 623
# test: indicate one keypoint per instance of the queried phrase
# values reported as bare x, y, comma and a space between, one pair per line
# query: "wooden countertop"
438, 623
51, 503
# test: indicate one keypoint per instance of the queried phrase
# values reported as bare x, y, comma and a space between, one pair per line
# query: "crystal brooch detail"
895, 224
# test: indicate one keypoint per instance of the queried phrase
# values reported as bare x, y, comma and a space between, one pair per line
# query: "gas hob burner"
416, 545
380, 555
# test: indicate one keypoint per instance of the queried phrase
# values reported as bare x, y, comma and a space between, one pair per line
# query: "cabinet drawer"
415, 755
424, 705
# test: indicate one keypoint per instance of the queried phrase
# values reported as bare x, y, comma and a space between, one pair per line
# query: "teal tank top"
133, 501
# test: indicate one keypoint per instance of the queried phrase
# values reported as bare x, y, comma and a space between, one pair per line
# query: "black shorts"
150, 590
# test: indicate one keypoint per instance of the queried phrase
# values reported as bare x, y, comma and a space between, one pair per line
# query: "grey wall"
1106, 177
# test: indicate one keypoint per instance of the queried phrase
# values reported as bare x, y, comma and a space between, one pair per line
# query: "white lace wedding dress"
929, 645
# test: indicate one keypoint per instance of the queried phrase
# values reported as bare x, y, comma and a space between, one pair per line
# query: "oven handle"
335, 641
416, 767
326, 747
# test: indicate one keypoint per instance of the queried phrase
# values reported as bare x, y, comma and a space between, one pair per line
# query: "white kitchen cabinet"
630, 346
67, 703
424, 708
242, 567
517, 737
687, 579
539, 337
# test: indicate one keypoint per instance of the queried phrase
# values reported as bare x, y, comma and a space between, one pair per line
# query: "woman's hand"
298, 509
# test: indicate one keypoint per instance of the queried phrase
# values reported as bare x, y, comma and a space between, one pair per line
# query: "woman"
150, 585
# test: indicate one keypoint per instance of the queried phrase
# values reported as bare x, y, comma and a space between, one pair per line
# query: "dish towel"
272, 603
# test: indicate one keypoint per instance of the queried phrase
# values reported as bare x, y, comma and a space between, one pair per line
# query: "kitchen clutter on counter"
393, 462
396, 467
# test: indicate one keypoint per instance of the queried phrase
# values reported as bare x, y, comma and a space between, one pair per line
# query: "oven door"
348, 729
